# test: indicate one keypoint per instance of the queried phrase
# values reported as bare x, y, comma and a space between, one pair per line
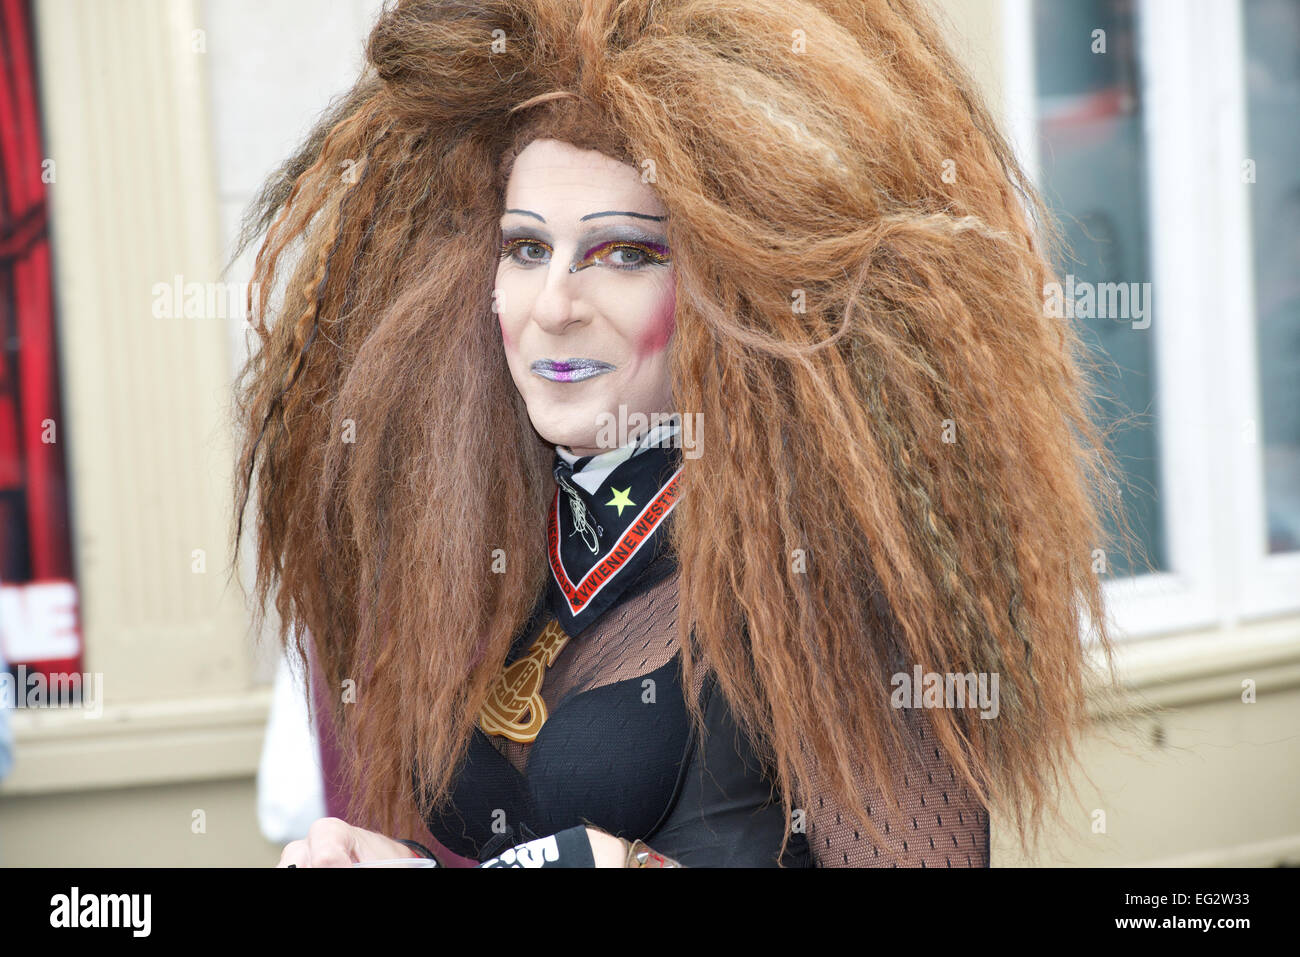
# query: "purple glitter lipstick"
569, 370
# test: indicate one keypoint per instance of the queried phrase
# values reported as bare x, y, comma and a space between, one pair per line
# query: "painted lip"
569, 370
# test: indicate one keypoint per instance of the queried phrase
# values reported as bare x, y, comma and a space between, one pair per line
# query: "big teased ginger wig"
860, 265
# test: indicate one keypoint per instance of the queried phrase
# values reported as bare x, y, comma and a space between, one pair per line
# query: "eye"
622, 254
626, 256
525, 251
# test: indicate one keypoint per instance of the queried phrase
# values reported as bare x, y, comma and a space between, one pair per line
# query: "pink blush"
660, 329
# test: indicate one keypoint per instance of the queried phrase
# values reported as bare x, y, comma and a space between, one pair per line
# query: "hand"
332, 842
608, 850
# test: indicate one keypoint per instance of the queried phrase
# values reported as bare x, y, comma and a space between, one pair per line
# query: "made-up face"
585, 293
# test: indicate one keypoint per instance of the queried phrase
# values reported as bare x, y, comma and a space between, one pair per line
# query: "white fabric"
594, 472
290, 790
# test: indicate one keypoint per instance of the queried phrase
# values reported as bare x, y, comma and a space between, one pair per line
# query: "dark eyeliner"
513, 238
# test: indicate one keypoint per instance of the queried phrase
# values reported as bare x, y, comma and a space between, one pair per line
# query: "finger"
331, 843
295, 854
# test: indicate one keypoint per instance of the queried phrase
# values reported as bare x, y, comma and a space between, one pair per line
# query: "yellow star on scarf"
620, 499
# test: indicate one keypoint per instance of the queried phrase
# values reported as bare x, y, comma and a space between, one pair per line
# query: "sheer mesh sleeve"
935, 821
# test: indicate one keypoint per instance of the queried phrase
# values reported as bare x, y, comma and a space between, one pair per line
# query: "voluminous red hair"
900, 462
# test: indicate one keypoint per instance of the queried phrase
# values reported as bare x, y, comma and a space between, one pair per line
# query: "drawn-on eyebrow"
589, 238
610, 212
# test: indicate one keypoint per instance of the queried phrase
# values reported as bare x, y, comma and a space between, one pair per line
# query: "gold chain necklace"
518, 691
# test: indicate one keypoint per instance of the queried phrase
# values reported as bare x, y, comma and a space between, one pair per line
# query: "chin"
573, 424
562, 433
570, 441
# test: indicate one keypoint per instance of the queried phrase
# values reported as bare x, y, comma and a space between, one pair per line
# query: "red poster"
39, 620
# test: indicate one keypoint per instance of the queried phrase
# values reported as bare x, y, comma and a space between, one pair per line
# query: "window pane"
1272, 36
1093, 161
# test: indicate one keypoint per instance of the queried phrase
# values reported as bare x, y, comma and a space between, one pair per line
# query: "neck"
600, 462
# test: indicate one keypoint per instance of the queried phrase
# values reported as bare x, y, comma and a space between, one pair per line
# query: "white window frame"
1267, 585
1203, 318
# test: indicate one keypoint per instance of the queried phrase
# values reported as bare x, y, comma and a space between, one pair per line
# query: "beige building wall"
167, 775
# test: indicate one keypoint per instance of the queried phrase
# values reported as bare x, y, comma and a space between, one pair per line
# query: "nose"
558, 308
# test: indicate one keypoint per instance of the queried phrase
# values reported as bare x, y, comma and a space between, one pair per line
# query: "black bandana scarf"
598, 543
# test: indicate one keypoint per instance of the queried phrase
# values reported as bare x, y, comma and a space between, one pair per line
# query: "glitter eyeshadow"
655, 253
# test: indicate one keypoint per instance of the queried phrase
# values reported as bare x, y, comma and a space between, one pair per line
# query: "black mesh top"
617, 750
